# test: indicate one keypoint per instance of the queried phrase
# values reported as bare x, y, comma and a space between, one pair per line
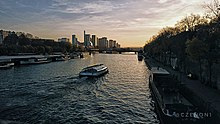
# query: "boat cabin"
95, 70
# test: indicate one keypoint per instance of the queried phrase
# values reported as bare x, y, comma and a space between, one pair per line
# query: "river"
54, 93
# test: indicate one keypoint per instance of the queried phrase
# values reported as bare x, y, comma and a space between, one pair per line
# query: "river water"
53, 92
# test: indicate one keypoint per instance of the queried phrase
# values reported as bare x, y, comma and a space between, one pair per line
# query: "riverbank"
6, 62
206, 98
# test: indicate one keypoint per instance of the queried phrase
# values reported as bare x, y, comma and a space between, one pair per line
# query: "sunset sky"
130, 22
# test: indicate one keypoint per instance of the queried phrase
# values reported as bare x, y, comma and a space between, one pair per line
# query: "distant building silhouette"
3, 35
74, 40
90, 41
111, 43
103, 42
87, 40
95, 41
114, 44
1, 38
63, 40
118, 45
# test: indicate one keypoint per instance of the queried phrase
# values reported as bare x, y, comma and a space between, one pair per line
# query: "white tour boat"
94, 70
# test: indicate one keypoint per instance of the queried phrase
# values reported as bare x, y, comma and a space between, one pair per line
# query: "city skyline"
129, 22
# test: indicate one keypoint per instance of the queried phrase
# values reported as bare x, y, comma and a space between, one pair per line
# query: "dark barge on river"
171, 106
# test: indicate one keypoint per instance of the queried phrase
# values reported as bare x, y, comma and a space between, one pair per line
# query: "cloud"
162, 1
86, 7
121, 20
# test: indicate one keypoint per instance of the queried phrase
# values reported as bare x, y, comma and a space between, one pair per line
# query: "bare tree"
213, 9
189, 23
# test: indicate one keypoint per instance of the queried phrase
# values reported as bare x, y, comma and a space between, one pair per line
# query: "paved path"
207, 97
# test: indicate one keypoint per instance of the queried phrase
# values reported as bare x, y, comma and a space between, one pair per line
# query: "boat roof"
174, 98
96, 66
159, 70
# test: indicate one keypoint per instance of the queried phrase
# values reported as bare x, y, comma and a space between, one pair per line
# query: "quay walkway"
29, 58
5, 58
206, 98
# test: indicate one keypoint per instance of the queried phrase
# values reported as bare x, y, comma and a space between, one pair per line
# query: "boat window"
91, 70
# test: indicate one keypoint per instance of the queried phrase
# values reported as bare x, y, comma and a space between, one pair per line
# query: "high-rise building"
74, 40
114, 43
84, 37
97, 42
103, 42
87, 40
1, 38
94, 40
111, 43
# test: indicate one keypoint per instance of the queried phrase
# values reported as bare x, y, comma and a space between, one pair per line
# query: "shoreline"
203, 97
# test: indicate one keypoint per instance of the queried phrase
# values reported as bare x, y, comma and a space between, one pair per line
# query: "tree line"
194, 42
13, 44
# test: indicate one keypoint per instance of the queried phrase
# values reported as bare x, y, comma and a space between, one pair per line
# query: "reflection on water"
53, 93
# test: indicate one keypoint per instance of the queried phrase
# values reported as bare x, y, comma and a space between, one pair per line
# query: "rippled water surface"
53, 92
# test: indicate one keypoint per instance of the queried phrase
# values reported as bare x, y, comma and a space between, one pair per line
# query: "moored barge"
172, 105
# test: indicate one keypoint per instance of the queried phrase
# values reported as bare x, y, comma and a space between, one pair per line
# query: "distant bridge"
120, 50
